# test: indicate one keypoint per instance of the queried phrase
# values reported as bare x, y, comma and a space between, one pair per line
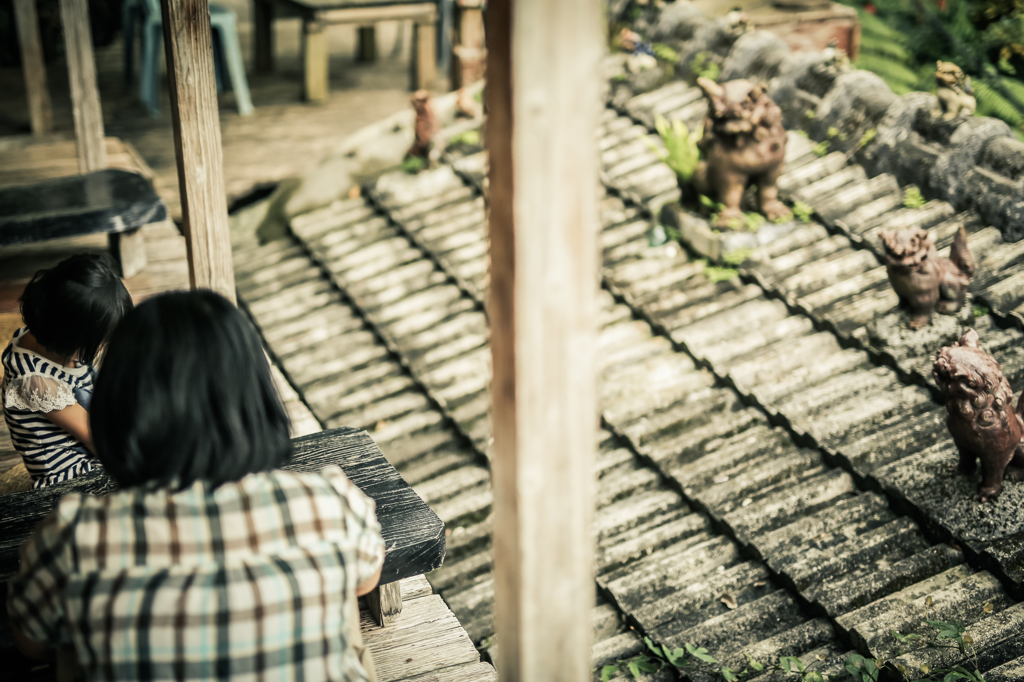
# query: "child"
69, 313
208, 564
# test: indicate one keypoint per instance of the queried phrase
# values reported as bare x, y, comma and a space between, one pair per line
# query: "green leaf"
648, 665
413, 164
634, 669
676, 657
803, 212
729, 675
912, 198
681, 153
789, 663
821, 149
700, 653
607, 672
955, 676
650, 645
813, 677
754, 664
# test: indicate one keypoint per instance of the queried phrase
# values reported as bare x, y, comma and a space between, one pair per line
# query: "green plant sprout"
981, 311
737, 257
752, 221
821, 149
664, 53
702, 66
912, 198
413, 164
719, 274
803, 212
470, 138
681, 152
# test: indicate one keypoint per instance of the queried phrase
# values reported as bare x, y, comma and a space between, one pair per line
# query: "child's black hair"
185, 394
74, 306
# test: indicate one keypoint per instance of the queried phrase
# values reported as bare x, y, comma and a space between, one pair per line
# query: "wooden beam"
85, 96
366, 44
385, 603
196, 124
263, 35
40, 111
543, 110
316, 61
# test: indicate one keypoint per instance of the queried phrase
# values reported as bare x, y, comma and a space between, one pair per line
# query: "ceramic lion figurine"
744, 143
954, 91
923, 281
982, 419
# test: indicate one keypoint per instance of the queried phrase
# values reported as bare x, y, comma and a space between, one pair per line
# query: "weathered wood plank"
85, 95
543, 310
385, 603
40, 111
426, 638
196, 125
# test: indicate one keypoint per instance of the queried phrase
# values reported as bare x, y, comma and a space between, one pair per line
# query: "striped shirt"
33, 386
250, 581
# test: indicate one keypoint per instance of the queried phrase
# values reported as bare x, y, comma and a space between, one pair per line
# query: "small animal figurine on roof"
956, 96
923, 281
982, 419
425, 146
744, 143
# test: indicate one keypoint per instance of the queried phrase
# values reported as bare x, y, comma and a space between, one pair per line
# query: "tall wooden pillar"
543, 108
40, 111
196, 124
85, 96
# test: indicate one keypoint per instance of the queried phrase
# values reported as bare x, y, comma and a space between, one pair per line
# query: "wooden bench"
111, 201
317, 15
413, 534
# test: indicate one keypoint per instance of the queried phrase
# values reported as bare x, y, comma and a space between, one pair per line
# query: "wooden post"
315, 60
263, 35
424, 55
85, 96
366, 44
40, 111
543, 300
128, 248
385, 603
196, 123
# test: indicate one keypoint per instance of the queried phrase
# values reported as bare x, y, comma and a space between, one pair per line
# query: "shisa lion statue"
744, 143
923, 281
982, 419
954, 91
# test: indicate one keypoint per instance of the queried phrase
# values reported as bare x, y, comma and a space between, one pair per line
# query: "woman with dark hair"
69, 313
208, 564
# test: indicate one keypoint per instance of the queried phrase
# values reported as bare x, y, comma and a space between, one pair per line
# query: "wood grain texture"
413, 534
425, 639
424, 63
196, 125
85, 95
40, 110
315, 61
385, 603
543, 304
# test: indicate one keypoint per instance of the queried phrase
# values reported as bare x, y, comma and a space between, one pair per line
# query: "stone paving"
770, 481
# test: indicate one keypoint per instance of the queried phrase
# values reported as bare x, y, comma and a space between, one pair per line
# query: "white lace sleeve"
38, 393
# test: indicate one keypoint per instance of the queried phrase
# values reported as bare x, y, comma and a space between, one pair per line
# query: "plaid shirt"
249, 581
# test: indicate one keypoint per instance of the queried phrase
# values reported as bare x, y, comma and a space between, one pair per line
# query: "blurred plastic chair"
227, 53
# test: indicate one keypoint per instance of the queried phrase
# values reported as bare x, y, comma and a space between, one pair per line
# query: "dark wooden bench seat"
111, 201
413, 534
